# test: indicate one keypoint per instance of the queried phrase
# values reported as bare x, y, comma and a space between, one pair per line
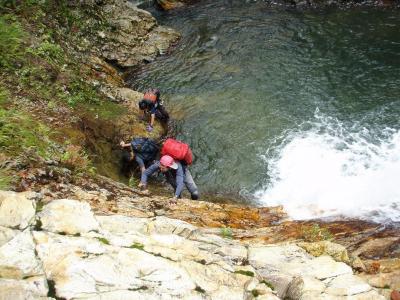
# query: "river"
285, 106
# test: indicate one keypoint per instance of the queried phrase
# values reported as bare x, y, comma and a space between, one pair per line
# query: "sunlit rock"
18, 259
336, 251
17, 210
68, 216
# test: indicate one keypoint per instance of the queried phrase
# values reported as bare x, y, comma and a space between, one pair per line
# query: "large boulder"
17, 210
122, 33
68, 217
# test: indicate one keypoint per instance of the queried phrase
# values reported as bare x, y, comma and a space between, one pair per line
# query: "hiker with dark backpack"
142, 150
176, 157
153, 105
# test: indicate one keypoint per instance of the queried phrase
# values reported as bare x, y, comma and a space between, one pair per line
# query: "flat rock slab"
18, 259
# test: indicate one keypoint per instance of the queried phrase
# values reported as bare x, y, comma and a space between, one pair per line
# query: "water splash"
331, 171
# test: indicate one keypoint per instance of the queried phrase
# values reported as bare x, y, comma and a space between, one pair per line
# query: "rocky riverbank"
63, 250
72, 233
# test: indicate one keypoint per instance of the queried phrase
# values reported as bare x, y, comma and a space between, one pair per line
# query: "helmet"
168, 161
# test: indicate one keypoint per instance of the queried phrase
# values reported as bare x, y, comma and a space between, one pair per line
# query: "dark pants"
188, 181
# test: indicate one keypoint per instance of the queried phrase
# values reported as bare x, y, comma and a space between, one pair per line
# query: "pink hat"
168, 161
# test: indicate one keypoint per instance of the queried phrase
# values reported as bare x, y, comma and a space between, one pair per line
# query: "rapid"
299, 108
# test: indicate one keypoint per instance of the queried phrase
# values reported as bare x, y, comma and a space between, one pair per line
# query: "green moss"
38, 225
103, 240
5, 179
315, 233
199, 289
255, 293
268, 284
39, 206
244, 272
137, 246
226, 232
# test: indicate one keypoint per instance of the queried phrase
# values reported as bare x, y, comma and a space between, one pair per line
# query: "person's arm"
180, 175
152, 117
124, 145
148, 172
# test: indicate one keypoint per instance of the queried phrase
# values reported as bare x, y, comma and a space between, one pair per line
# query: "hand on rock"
149, 128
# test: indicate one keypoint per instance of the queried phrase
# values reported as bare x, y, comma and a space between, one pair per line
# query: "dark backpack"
146, 148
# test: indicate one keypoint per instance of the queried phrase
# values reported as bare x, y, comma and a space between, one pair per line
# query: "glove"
149, 128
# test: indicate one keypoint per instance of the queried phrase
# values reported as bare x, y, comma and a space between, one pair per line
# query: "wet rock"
383, 280
68, 217
129, 35
170, 4
336, 251
17, 210
376, 248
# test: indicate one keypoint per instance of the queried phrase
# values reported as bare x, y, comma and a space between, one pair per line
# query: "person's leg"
162, 114
191, 185
140, 162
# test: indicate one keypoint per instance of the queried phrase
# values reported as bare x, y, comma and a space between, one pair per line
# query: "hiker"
152, 104
177, 174
142, 150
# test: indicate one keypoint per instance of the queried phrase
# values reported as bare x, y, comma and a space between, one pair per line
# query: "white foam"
334, 172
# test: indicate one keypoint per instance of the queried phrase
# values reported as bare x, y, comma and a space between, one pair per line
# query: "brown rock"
395, 295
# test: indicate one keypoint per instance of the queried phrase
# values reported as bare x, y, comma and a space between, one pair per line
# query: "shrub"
226, 232
49, 51
75, 158
315, 233
11, 37
5, 179
19, 132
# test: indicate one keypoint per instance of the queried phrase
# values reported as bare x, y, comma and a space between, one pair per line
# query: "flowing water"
300, 108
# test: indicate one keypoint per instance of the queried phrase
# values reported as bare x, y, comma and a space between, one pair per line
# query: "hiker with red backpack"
174, 162
152, 104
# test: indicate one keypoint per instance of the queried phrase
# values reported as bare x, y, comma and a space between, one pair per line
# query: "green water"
247, 79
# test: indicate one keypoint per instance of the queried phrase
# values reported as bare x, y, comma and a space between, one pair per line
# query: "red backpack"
177, 150
150, 96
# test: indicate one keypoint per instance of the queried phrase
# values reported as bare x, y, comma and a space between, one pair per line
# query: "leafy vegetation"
103, 240
11, 38
138, 246
19, 132
315, 233
76, 159
226, 232
268, 284
5, 179
244, 272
